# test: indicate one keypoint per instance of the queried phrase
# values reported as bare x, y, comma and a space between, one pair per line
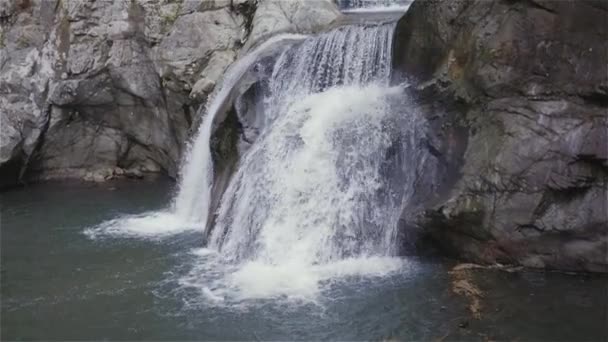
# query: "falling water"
317, 186
192, 201
312, 181
319, 192
190, 207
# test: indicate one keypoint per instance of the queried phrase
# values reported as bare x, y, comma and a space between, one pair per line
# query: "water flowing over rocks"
97, 89
518, 92
515, 93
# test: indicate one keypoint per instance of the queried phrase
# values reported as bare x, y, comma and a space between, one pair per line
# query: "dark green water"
60, 284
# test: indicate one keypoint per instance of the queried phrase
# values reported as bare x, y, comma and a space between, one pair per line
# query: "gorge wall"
95, 89
516, 93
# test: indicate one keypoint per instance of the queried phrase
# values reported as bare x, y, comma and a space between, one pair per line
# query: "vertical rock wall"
93, 89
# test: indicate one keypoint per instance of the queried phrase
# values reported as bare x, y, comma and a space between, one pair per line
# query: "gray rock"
81, 89
297, 16
194, 37
219, 61
528, 82
103, 85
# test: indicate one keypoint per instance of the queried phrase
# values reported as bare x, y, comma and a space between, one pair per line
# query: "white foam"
305, 282
259, 280
292, 281
315, 181
152, 225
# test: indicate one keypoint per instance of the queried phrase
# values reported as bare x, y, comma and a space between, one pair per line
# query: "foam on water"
315, 178
222, 283
152, 225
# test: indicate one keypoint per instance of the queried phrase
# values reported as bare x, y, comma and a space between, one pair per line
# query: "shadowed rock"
528, 82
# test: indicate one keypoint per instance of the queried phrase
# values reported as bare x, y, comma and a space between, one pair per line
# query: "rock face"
517, 92
303, 16
92, 89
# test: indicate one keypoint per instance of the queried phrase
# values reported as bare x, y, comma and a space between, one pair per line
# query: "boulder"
527, 83
297, 16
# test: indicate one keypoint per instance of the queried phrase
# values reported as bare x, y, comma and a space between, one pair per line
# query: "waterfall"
320, 192
192, 201
311, 189
320, 187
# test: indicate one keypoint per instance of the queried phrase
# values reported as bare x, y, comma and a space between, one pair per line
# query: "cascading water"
315, 195
190, 207
192, 201
319, 192
310, 188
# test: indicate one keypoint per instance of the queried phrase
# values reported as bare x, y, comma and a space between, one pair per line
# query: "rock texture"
517, 91
93, 89
304, 16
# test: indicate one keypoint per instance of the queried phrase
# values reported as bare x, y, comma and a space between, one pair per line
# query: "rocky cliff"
94, 89
517, 93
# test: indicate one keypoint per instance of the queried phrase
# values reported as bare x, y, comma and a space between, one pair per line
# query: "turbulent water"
310, 190
312, 198
319, 193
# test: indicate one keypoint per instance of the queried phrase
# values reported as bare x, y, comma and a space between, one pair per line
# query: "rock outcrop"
274, 17
517, 92
93, 89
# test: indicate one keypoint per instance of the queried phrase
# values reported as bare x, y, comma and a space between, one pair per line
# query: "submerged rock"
527, 83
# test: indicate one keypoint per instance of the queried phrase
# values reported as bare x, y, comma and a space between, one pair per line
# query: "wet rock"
194, 37
528, 82
87, 85
209, 77
297, 16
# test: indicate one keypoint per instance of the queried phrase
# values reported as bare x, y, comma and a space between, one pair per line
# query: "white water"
313, 200
309, 204
222, 283
190, 207
310, 190
151, 225
192, 201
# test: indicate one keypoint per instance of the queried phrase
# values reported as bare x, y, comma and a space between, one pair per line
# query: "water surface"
59, 283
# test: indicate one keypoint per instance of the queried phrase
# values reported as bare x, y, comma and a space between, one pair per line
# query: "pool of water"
62, 281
